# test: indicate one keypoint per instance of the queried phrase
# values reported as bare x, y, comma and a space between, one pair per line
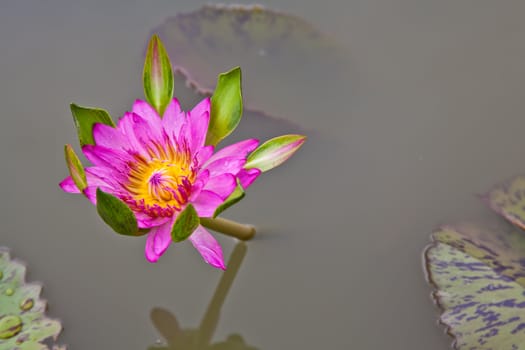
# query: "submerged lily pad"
234, 342
479, 277
285, 60
201, 338
23, 324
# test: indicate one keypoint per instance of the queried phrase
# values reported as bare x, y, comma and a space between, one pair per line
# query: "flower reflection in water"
200, 339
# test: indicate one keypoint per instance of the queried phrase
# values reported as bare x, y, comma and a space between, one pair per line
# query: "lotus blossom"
159, 165
155, 172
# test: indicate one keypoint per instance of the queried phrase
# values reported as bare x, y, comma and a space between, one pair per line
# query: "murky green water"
432, 113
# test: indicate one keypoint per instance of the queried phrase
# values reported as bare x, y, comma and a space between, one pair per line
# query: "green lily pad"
508, 200
284, 59
23, 324
479, 279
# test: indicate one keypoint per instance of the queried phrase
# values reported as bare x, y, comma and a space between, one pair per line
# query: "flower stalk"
230, 228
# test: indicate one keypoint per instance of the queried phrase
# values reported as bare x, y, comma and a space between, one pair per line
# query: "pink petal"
221, 166
202, 155
237, 150
173, 118
198, 130
108, 136
106, 157
184, 136
67, 185
222, 185
206, 203
202, 107
208, 247
199, 118
126, 125
144, 132
91, 192
94, 181
147, 112
150, 115
248, 176
109, 176
203, 176
199, 183
146, 221
159, 239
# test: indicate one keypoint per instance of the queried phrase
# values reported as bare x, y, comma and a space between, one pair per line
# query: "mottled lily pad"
479, 279
23, 324
286, 62
508, 200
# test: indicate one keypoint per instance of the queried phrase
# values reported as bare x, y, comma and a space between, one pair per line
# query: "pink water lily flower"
157, 166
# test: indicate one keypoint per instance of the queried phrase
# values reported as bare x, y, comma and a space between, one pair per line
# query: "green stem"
211, 317
229, 227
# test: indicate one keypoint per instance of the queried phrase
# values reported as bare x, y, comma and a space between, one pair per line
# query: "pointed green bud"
274, 152
232, 199
186, 222
116, 214
226, 106
85, 118
76, 170
158, 76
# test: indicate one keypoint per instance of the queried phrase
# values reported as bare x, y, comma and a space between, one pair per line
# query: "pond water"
430, 112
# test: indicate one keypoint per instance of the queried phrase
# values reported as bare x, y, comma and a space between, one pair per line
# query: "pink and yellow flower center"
160, 183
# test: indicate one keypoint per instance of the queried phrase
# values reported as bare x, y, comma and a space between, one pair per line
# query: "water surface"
433, 113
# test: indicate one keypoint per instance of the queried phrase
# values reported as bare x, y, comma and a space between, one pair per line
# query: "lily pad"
508, 200
201, 338
23, 324
284, 59
234, 342
479, 277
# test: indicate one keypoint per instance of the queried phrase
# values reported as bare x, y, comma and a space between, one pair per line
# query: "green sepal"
76, 170
274, 152
185, 223
85, 118
142, 231
116, 214
226, 106
232, 199
158, 76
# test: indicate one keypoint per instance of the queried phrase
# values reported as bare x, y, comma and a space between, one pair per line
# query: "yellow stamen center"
160, 183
